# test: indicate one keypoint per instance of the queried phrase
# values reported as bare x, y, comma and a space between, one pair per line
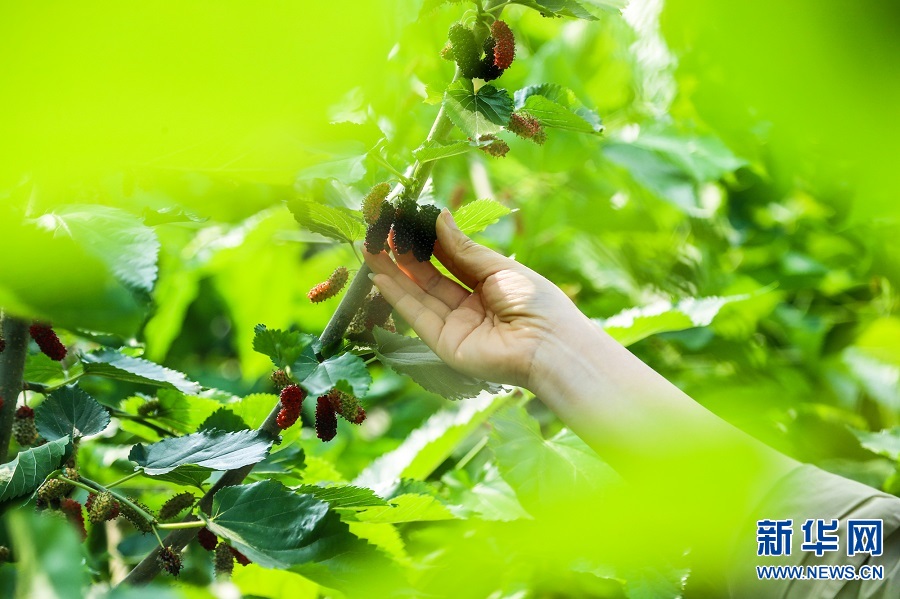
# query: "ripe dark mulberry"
207, 539
405, 225
240, 557
47, 340
281, 379
426, 235
224, 560
374, 201
504, 44
489, 71
347, 406
326, 421
527, 127
102, 507
291, 402
23, 428
75, 515
175, 505
377, 311
377, 232
331, 287
169, 560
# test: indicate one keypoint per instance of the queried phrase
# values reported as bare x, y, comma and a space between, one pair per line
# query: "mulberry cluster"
376, 312
224, 560
486, 62
175, 505
102, 507
291, 401
347, 406
281, 379
23, 429
72, 510
330, 288
377, 232
169, 560
496, 148
527, 127
136, 519
53, 490
374, 202
414, 229
47, 340
326, 420
207, 539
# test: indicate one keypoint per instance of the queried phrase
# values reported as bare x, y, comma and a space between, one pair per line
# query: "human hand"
498, 331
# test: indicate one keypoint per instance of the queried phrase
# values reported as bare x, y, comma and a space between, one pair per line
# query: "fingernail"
371, 276
449, 218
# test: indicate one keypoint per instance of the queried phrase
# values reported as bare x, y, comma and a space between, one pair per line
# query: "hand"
493, 332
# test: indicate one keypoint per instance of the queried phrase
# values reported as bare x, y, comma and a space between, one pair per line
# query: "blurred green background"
736, 225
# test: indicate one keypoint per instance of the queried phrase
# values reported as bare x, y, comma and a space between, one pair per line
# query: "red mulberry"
527, 127
377, 232
47, 340
102, 507
72, 510
207, 539
326, 421
347, 406
331, 287
23, 429
291, 401
281, 379
240, 557
169, 560
175, 505
224, 560
504, 44
374, 201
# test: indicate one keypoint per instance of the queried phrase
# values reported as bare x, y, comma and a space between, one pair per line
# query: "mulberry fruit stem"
181, 525
12, 367
94, 487
124, 479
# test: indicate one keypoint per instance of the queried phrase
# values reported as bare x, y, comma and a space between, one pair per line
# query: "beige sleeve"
808, 492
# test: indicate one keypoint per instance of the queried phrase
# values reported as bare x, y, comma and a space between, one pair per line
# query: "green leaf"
477, 114
632, 325
112, 364
557, 116
410, 356
177, 412
187, 475
435, 150
277, 528
886, 442
558, 8
119, 238
405, 508
479, 215
223, 419
70, 412
550, 101
212, 449
48, 553
545, 473
340, 224
29, 469
428, 446
42, 370
283, 347
286, 464
344, 496
347, 372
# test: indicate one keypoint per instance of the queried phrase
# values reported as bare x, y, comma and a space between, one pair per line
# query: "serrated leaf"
560, 96
211, 449
70, 412
558, 8
557, 116
340, 224
411, 357
283, 347
177, 412
477, 114
288, 463
277, 528
223, 419
30, 467
50, 373
347, 372
479, 215
120, 239
886, 442
344, 496
187, 475
406, 508
112, 364
434, 150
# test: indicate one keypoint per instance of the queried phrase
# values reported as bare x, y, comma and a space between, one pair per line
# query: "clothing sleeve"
806, 493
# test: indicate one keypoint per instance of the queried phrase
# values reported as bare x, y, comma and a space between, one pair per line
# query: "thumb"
463, 257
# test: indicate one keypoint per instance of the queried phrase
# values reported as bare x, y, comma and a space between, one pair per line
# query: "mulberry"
330, 288
175, 505
102, 507
405, 225
169, 560
47, 340
291, 401
489, 71
280, 379
374, 202
149, 408
72, 510
377, 232
54, 489
496, 148
207, 539
224, 560
465, 50
527, 127
426, 235
23, 428
347, 406
136, 519
326, 421
377, 311
240, 557
504, 44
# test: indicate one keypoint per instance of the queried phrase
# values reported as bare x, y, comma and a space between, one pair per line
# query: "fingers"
431, 280
382, 264
468, 261
420, 317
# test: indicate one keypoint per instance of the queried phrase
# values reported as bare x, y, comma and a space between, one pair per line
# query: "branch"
12, 366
